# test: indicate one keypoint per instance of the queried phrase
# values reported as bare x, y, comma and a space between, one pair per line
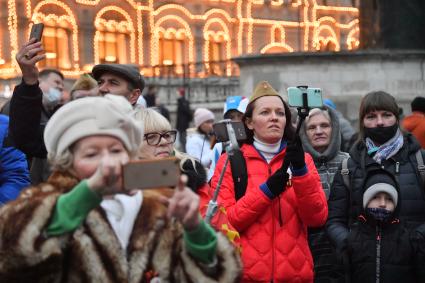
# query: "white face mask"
52, 97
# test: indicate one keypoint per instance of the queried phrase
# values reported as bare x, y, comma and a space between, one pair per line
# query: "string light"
102, 24
318, 24
38, 16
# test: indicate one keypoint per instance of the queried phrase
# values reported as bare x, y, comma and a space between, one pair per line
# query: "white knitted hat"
109, 115
202, 115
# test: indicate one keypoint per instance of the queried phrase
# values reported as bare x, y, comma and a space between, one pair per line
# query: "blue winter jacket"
14, 174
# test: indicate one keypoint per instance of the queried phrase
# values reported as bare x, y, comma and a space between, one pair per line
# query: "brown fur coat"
92, 253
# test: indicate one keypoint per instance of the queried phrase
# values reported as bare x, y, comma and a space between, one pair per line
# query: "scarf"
386, 150
121, 212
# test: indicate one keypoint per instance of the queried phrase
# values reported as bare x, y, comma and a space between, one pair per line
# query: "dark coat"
326, 267
345, 204
92, 253
398, 253
28, 118
184, 114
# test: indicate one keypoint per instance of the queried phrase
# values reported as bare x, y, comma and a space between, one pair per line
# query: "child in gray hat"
379, 247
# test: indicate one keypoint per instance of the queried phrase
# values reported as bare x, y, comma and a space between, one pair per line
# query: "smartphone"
221, 134
314, 97
37, 31
151, 173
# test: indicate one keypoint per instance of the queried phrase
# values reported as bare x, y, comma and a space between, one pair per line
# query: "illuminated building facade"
81, 33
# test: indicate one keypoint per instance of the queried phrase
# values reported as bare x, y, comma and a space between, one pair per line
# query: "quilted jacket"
273, 232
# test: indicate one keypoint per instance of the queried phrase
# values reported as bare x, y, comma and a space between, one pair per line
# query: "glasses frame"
172, 133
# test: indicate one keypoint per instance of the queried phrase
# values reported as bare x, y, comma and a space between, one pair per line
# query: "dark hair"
374, 101
46, 72
288, 133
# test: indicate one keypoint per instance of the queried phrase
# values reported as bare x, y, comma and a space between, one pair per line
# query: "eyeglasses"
155, 138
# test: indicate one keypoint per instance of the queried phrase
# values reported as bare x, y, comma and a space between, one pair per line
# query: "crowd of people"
320, 202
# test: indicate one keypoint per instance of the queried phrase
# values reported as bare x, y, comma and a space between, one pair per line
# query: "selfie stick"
302, 113
231, 145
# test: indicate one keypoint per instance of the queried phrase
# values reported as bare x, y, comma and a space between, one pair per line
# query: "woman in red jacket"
273, 215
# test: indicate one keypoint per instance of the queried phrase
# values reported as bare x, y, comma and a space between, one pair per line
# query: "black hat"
378, 181
418, 104
129, 72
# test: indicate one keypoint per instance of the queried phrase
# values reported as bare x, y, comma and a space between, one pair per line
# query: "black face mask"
381, 134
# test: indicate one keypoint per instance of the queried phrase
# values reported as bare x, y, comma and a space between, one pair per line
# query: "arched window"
217, 54
114, 37
56, 40
113, 47
172, 45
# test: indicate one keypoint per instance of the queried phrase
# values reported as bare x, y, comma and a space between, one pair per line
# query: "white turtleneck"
266, 149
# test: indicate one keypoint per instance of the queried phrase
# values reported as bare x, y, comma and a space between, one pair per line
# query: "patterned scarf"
386, 150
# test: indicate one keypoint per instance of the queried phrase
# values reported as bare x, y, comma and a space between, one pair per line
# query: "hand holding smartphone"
151, 173
37, 33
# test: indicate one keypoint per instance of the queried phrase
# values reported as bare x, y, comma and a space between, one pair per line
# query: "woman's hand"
107, 178
29, 54
184, 205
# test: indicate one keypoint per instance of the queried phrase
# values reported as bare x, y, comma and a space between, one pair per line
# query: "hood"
334, 145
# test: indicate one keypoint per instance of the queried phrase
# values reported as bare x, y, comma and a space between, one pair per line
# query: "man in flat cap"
26, 123
119, 79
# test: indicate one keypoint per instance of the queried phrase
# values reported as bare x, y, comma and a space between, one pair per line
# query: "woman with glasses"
158, 142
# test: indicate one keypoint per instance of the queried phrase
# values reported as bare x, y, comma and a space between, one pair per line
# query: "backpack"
239, 173
419, 159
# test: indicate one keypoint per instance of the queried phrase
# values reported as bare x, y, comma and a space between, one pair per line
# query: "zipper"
397, 167
378, 253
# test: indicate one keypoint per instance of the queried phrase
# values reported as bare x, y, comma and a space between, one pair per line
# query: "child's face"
381, 200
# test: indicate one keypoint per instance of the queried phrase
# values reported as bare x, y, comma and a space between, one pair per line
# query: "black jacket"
184, 114
28, 120
388, 248
345, 203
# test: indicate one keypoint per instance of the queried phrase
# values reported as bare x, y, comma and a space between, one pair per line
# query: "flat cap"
129, 72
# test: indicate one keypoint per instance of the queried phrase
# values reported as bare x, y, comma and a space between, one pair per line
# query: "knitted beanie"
379, 181
202, 115
418, 104
91, 116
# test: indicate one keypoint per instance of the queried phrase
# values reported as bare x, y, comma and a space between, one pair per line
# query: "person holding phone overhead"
279, 204
82, 224
34, 101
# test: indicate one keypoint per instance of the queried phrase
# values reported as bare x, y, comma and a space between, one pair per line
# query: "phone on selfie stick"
305, 99
229, 133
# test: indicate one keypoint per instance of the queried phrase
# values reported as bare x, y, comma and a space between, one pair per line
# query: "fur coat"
92, 253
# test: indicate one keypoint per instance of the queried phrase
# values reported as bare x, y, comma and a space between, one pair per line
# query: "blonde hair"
153, 121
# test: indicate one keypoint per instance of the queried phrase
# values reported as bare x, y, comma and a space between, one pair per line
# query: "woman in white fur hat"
82, 226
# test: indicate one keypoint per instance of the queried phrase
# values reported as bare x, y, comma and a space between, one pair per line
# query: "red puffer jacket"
274, 232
